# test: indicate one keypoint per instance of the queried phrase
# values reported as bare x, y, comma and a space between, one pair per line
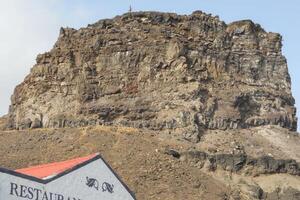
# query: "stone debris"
242, 163
173, 153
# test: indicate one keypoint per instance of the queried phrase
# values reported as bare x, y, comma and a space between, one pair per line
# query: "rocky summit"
184, 74
181, 106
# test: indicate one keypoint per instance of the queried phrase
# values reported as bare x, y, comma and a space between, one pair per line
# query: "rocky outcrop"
289, 193
248, 167
3, 122
239, 163
185, 73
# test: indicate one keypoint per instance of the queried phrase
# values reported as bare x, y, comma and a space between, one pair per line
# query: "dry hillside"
184, 107
149, 164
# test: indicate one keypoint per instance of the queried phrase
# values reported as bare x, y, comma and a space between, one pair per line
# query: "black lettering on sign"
13, 189
23, 190
107, 187
38, 192
30, 193
45, 197
51, 196
94, 183
60, 197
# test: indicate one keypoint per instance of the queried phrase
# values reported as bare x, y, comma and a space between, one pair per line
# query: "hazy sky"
30, 27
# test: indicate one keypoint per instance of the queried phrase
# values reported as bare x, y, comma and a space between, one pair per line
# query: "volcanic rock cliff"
181, 106
159, 71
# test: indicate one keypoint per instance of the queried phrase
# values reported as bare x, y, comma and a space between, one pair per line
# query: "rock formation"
159, 71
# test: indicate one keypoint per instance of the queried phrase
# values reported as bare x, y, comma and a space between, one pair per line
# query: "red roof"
52, 169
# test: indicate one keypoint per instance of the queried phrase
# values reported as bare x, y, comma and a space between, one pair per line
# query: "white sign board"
91, 180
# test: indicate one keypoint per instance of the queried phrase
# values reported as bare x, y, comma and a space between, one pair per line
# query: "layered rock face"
159, 71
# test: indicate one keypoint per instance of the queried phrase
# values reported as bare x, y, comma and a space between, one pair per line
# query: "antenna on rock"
130, 9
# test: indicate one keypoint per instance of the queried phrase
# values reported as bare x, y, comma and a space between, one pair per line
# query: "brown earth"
140, 158
2, 122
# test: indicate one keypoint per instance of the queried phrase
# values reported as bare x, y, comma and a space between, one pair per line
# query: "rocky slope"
3, 122
159, 71
223, 166
181, 106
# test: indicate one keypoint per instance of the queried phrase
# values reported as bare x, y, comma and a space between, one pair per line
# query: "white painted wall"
71, 185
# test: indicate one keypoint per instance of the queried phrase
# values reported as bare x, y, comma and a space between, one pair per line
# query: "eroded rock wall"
159, 71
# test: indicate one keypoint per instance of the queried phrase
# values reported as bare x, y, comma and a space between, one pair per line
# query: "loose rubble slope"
156, 168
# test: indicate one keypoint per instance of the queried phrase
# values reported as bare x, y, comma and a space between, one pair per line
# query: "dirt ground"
134, 155
2, 122
140, 160
256, 142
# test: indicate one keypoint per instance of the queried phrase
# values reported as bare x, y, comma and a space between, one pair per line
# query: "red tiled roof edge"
51, 169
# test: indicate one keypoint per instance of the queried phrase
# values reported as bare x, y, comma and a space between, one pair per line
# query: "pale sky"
30, 27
